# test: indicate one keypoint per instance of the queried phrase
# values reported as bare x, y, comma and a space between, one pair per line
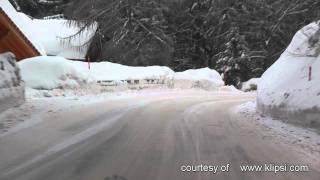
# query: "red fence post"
310, 73
88, 59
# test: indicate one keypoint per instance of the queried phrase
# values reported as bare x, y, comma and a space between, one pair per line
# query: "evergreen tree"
233, 61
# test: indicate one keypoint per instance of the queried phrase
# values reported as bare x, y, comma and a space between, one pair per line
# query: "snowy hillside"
11, 88
291, 86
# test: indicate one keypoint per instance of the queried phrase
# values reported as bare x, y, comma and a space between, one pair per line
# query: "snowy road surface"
156, 137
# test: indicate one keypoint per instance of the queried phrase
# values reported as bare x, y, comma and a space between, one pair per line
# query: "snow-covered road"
148, 136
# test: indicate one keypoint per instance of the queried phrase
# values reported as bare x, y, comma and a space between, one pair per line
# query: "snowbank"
50, 73
285, 90
53, 72
11, 88
115, 72
57, 72
251, 85
205, 78
24, 24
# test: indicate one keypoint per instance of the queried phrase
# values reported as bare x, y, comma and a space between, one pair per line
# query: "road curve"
147, 138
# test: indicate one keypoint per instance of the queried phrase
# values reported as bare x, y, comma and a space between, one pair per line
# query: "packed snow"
290, 88
250, 85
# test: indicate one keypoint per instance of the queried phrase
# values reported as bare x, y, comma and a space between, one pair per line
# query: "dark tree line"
239, 38
40, 8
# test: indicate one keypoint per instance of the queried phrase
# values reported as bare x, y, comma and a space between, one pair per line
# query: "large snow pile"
47, 72
24, 24
11, 88
251, 85
285, 90
50, 73
198, 78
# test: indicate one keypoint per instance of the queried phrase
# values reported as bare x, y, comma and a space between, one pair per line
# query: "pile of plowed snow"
45, 73
290, 88
48, 73
204, 78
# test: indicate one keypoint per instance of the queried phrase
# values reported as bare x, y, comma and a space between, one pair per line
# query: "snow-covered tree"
40, 8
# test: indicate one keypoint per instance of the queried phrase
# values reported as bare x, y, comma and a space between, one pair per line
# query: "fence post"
310, 73
88, 60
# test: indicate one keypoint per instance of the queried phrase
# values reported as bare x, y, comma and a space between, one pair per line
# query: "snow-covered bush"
251, 85
11, 87
48, 73
290, 88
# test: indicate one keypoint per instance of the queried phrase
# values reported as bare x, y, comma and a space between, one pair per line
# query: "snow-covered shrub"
251, 85
290, 88
11, 87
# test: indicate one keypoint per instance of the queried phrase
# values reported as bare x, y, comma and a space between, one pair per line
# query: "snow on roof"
22, 25
55, 35
50, 36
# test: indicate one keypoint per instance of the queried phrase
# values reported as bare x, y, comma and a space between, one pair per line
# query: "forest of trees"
238, 38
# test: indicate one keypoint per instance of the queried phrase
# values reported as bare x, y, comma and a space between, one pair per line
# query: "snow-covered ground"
38, 107
290, 88
305, 141
43, 103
